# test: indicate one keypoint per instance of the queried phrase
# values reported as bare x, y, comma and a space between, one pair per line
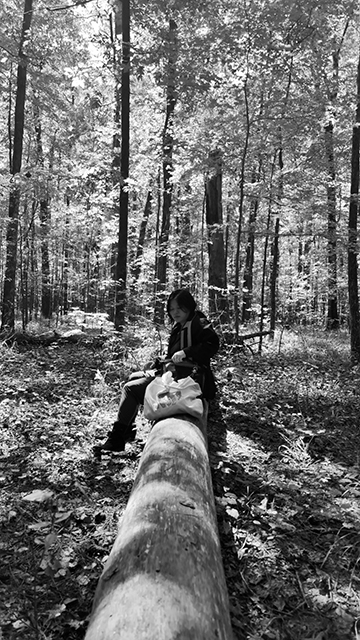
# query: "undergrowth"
283, 444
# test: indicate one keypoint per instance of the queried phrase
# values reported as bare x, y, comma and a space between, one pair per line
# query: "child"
192, 338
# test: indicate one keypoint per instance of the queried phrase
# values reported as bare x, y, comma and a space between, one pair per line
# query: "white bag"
165, 397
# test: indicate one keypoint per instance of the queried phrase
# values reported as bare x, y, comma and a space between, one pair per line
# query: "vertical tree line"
214, 96
8, 303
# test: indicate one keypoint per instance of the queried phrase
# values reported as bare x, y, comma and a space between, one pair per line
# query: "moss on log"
164, 578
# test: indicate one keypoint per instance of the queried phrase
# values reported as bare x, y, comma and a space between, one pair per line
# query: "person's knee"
134, 388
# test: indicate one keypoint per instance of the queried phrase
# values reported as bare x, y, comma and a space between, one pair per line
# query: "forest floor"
284, 445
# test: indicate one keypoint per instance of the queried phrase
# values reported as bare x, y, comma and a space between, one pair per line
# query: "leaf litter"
284, 451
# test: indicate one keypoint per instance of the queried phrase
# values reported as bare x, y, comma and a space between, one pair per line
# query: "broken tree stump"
164, 578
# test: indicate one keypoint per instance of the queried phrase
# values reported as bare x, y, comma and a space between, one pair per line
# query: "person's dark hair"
184, 299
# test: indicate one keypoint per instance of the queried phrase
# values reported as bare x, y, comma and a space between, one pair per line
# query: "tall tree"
333, 312
250, 252
44, 213
122, 255
215, 227
167, 168
8, 315
353, 240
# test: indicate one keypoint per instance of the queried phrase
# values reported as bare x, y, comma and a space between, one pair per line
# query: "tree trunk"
164, 578
45, 217
274, 275
66, 261
167, 166
249, 258
332, 315
275, 245
217, 284
353, 243
241, 206
8, 315
45, 261
142, 232
121, 264
266, 245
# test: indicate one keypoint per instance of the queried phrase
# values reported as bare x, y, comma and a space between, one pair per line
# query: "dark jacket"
204, 345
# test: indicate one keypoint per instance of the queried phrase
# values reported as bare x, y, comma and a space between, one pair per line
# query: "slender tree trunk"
275, 257
121, 265
249, 258
274, 275
45, 217
66, 260
265, 258
167, 166
241, 210
8, 315
142, 232
353, 243
332, 311
214, 219
115, 24
332, 316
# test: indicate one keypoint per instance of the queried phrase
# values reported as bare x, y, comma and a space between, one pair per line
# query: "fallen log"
164, 578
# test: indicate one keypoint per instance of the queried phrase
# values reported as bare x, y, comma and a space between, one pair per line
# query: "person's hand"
178, 356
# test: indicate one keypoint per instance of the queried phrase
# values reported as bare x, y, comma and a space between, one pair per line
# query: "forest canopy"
229, 164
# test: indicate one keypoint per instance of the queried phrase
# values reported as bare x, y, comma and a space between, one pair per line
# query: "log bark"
164, 578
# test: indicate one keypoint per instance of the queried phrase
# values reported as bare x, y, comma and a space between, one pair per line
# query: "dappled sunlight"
283, 438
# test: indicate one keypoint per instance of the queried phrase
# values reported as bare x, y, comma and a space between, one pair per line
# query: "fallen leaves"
283, 444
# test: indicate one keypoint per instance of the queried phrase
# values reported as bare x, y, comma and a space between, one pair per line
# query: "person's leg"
132, 396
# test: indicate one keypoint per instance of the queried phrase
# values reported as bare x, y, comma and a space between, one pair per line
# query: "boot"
113, 443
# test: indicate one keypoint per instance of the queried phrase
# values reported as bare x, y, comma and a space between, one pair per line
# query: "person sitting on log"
192, 338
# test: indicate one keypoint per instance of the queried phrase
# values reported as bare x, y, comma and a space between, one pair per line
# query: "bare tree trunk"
8, 315
333, 316
121, 265
142, 232
353, 243
333, 313
241, 207
264, 266
249, 258
214, 219
45, 217
65, 266
168, 144
184, 262
274, 275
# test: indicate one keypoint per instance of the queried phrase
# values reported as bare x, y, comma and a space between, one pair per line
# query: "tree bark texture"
333, 315
241, 209
121, 265
164, 578
167, 170
274, 274
214, 219
142, 232
353, 242
249, 258
45, 218
8, 313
